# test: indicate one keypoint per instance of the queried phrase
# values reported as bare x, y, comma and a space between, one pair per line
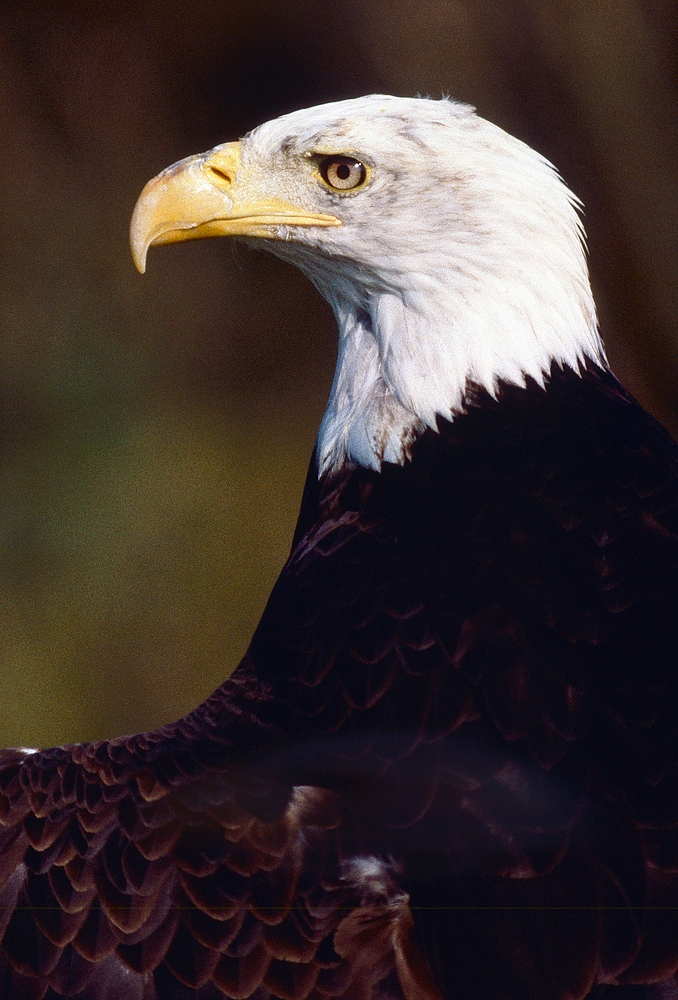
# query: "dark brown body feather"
448, 765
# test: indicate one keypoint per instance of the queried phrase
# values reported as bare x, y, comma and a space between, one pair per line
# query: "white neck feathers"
407, 353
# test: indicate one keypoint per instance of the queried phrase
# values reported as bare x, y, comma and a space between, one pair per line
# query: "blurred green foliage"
155, 432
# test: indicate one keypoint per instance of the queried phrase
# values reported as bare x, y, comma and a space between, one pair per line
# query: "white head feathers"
461, 259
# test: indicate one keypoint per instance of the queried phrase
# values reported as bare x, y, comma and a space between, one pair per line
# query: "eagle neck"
408, 352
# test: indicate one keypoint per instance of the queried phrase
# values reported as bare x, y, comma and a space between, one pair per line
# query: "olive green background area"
155, 431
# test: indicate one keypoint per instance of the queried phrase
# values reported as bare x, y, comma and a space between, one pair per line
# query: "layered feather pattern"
448, 765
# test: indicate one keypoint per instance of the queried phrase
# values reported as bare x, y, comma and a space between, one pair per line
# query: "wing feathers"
453, 737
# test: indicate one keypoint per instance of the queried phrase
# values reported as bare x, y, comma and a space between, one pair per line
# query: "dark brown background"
154, 431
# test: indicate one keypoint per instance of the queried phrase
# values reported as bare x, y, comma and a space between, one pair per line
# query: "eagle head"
451, 253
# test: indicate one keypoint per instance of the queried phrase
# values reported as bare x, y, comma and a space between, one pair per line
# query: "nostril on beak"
221, 175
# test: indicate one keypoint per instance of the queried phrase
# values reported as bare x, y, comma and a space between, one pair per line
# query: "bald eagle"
447, 767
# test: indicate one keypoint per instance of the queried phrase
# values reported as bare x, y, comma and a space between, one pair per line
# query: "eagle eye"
342, 173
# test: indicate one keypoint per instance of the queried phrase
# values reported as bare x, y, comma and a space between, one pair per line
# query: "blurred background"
155, 431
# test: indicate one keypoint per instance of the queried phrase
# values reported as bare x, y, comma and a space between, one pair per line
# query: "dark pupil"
343, 171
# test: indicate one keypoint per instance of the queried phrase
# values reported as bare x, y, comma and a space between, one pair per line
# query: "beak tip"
139, 258
138, 244
141, 227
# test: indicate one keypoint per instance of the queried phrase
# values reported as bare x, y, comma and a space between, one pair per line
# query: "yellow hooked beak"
204, 196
